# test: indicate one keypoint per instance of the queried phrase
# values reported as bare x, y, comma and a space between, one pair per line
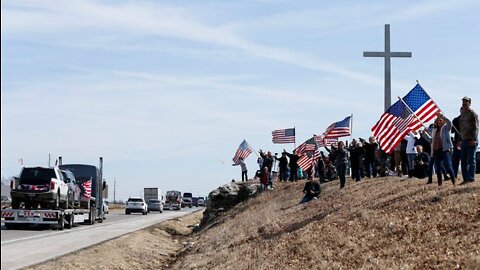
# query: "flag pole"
454, 127
411, 111
252, 148
351, 126
295, 141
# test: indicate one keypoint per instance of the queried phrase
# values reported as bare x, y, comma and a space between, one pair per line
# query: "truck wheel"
91, 216
70, 221
61, 223
127, 212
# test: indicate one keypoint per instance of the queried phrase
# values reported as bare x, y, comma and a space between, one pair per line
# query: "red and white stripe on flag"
87, 186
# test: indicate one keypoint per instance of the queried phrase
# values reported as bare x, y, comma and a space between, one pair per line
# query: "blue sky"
165, 91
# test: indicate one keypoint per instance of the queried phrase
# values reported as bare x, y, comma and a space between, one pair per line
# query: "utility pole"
49, 160
114, 187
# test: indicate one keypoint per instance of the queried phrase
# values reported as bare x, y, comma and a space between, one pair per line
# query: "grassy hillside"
386, 223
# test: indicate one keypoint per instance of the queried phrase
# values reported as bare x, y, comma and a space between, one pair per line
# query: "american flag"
321, 141
339, 129
283, 135
308, 145
308, 160
393, 126
242, 152
87, 186
398, 120
421, 104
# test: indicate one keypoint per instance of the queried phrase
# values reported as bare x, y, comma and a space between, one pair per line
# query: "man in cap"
468, 122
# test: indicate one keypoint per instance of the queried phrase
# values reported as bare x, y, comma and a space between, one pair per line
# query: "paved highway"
21, 248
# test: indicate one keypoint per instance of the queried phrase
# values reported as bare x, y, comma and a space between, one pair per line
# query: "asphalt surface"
33, 245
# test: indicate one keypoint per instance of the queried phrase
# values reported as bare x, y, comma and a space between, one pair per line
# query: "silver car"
155, 205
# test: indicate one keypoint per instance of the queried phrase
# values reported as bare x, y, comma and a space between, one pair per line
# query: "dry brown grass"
386, 223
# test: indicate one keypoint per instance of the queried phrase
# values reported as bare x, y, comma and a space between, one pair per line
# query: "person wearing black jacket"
357, 152
339, 157
321, 167
282, 166
421, 161
267, 160
293, 165
370, 148
312, 190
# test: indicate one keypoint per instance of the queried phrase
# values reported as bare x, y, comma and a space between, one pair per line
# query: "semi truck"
90, 209
150, 194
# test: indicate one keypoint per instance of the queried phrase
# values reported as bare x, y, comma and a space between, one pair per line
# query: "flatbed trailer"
59, 218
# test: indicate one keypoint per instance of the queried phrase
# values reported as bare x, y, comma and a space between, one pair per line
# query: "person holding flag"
442, 147
244, 168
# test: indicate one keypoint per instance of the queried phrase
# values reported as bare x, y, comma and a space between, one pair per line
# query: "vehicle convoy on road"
62, 196
187, 199
173, 200
136, 205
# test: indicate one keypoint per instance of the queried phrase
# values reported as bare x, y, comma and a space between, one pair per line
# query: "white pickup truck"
39, 186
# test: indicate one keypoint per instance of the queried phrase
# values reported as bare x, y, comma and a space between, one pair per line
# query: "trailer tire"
61, 223
70, 219
91, 216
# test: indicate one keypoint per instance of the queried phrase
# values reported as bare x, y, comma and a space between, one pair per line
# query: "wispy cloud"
49, 18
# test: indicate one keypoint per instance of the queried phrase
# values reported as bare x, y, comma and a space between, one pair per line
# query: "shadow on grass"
294, 226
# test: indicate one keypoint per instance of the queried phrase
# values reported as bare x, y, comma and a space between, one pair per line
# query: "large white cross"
387, 54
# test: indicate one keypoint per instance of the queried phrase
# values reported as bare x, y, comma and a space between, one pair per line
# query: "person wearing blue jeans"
468, 122
442, 147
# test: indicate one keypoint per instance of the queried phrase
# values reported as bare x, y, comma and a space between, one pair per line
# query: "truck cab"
187, 199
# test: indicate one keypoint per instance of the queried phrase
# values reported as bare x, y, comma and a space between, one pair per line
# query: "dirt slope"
386, 223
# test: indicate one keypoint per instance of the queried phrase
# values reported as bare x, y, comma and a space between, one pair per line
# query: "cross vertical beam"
387, 55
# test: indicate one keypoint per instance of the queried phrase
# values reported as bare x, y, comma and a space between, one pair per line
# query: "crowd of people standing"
437, 150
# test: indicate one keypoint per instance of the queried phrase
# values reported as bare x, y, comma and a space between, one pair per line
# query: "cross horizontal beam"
387, 54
